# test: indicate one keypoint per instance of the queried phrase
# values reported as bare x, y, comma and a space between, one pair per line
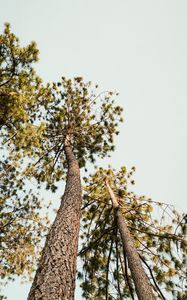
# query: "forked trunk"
142, 286
55, 276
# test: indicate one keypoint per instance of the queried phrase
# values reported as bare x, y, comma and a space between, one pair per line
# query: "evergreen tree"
21, 96
79, 125
51, 131
108, 229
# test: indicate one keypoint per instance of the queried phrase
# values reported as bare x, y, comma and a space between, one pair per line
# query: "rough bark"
55, 276
142, 286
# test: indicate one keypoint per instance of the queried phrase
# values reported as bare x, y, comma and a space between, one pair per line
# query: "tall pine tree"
79, 125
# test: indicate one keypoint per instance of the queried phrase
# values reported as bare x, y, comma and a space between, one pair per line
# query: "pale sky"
138, 48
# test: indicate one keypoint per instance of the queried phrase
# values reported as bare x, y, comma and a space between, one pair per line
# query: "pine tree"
21, 96
158, 232
79, 125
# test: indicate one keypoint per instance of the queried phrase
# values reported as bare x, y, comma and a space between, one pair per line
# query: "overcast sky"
138, 48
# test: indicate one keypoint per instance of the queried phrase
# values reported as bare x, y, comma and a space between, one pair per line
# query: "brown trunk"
55, 276
142, 286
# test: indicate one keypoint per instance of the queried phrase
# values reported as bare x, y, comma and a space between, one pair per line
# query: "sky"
138, 48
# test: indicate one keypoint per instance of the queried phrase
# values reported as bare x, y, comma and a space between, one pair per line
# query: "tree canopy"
21, 92
158, 230
44, 128
21, 89
78, 126
22, 227
89, 120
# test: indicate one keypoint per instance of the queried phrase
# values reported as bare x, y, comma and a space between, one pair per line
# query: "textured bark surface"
55, 277
142, 286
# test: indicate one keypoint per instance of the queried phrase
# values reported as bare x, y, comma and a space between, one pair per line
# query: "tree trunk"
142, 286
55, 276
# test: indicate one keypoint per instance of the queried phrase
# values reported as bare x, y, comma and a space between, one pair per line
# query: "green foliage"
21, 225
22, 95
158, 231
88, 119
21, 90
35, 122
